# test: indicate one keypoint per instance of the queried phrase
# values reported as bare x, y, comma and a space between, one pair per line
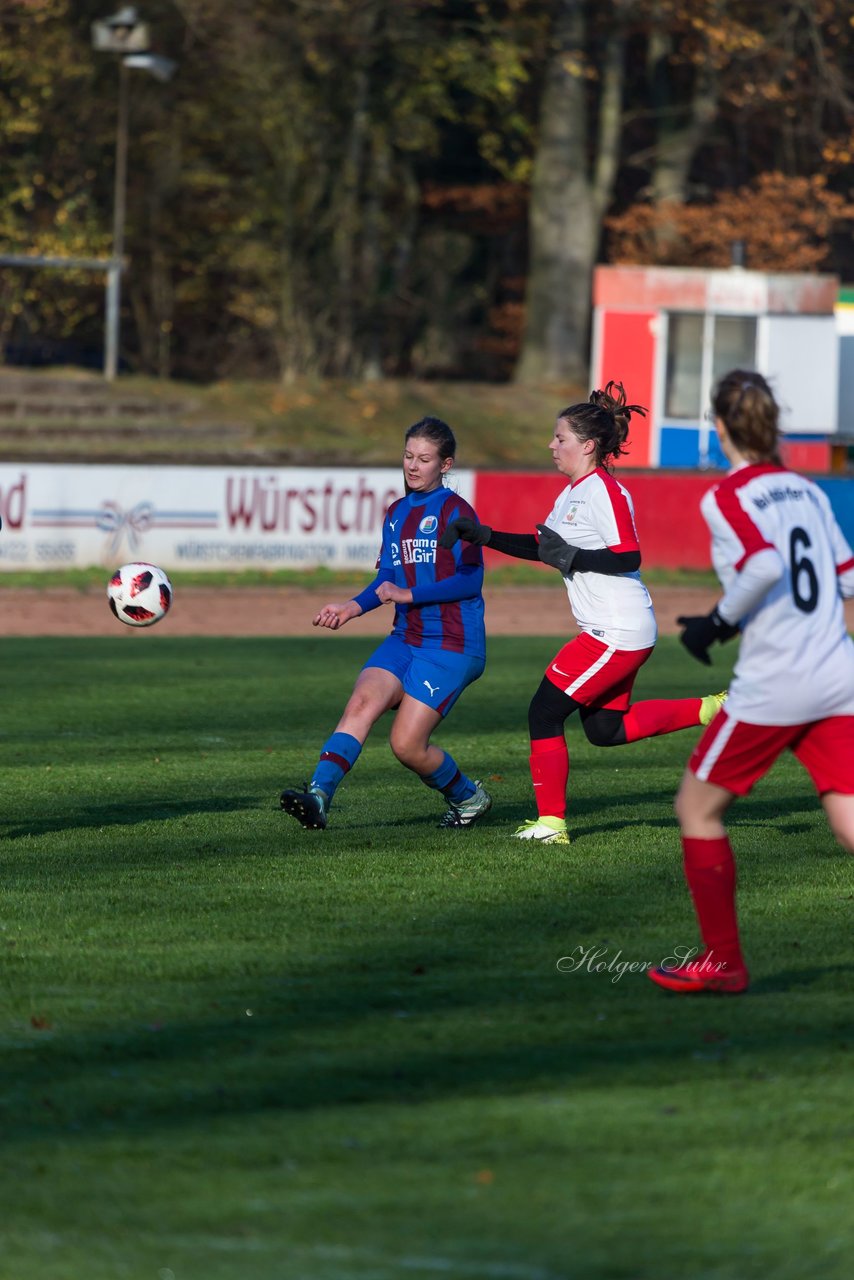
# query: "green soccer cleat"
307, 806
711, 705
467, 811
544, 831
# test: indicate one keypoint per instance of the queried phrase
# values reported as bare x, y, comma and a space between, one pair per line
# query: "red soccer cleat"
703, 974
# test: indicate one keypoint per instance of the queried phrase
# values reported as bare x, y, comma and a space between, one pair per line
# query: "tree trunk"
568, 201
681, 130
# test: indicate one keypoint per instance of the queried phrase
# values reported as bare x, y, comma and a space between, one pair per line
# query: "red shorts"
596, 674
735, 755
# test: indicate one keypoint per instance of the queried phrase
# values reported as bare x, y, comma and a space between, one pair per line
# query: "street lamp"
124, 34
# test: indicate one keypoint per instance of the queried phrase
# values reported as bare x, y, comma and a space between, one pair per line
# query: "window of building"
684, 366
700, 349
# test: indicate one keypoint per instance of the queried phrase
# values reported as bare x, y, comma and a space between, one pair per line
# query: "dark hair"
745, 404
604, 418
438, 432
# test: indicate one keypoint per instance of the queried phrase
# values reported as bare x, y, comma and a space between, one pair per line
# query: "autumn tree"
668, 102
572, 186
353, 187
332, 143
769, 168
48, 205
783, 224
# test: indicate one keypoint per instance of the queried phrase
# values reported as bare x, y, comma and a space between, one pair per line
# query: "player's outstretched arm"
334, 616
465, 529
523, 546
554, 551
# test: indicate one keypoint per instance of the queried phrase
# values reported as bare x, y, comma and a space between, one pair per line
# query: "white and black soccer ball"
139, 594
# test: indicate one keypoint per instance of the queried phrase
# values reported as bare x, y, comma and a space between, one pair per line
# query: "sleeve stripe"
627, 534
726, 496
843, 568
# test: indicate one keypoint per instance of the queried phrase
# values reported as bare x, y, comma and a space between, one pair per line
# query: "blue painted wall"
680, 447
840, 491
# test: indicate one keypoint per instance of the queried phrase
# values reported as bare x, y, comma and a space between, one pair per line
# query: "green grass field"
235, 1050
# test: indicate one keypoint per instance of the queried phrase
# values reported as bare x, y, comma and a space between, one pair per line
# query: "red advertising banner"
672, 532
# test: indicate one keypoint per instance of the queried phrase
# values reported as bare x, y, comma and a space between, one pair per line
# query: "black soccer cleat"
308, 807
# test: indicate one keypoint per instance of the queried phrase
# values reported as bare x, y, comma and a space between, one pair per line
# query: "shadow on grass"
653, 807
650, 807
130, 813
376, 1025
788, 979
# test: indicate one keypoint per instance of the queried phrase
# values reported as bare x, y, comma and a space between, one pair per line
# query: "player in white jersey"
785, 567
590, 536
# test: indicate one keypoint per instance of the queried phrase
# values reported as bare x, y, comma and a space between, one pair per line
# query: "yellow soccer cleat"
711, 705
544, 831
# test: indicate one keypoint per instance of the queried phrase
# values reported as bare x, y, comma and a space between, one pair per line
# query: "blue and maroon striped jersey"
447, 601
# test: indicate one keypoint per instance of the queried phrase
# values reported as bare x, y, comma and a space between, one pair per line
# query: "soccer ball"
139, 594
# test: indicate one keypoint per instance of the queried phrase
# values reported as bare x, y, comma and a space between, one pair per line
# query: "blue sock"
448, 779
337, 757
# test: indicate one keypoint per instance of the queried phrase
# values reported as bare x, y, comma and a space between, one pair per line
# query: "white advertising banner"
196, 517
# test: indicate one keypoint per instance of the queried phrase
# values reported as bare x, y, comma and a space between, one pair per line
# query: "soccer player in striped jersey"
590, 536
436, 647
785, 568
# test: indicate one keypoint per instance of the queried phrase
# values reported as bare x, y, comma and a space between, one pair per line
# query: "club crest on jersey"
428, 525
571, 513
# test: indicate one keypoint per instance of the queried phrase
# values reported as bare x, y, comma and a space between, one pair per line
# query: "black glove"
699, 633
466, 529
554, 551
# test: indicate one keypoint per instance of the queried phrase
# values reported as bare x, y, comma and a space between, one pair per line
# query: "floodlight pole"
126, 35
114, 271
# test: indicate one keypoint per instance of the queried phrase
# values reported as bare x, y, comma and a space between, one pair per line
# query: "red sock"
660, 715
710, 872
549, 762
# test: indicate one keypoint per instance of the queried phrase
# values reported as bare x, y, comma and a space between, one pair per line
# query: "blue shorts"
433, 676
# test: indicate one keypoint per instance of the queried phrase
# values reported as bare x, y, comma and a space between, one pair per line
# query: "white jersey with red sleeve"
784, 565
596, 512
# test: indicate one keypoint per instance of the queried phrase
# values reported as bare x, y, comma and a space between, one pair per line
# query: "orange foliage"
491, 207
504, 336
784, 224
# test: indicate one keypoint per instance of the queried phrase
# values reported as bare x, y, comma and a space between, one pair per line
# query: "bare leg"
700, 808
840, 814
374, 693
410, 742
410, 737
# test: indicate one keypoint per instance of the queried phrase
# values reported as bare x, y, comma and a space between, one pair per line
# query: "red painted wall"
672, 532
810, 456
627, 355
